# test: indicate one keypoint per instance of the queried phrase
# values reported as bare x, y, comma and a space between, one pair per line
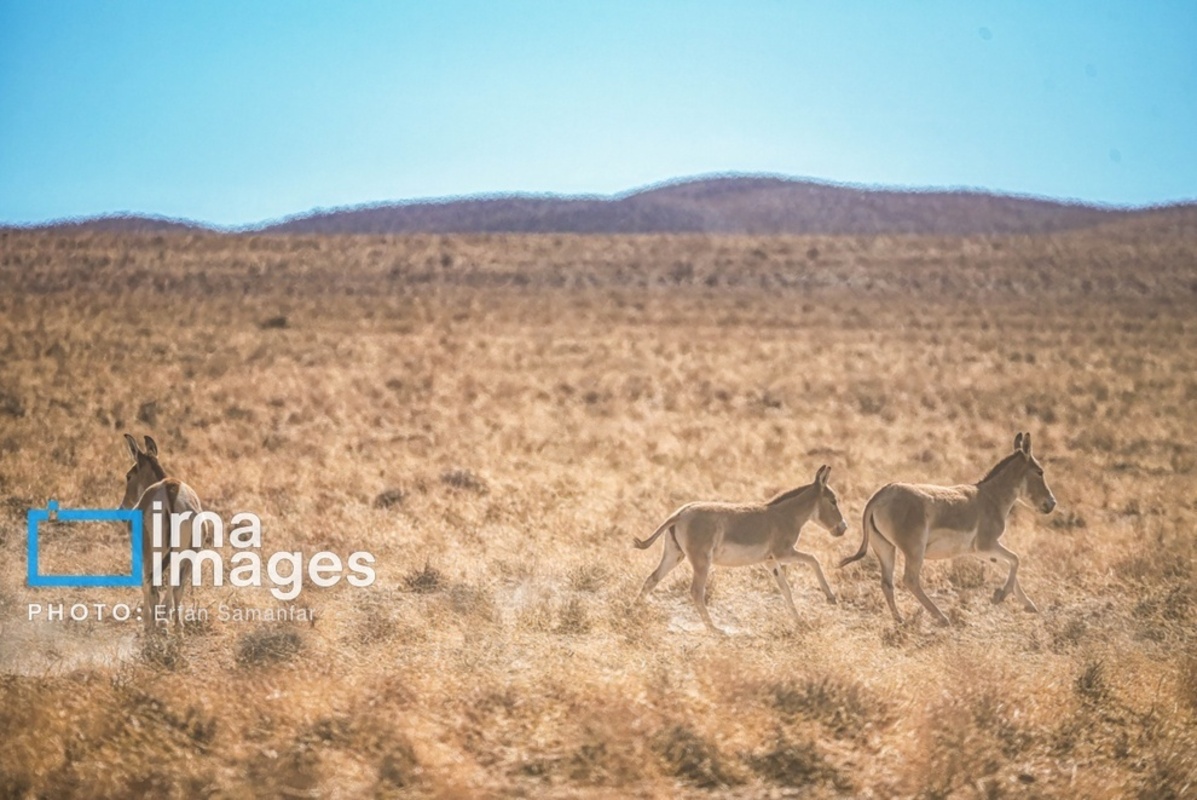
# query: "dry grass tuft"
787, 761
425, 580
844, 709
464, 479
1091, 684
164, 651
268, 646
389, 498
687, 755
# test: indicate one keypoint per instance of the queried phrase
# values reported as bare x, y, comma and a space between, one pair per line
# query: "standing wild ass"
949, 521
158, 497
743, 534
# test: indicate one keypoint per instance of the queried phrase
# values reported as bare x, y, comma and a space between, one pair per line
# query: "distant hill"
729, 205
120, 223
754, 205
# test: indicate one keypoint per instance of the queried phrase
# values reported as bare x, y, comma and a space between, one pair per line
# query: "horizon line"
666, 183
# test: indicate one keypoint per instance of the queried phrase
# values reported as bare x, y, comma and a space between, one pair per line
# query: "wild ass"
949, 521
744, 534
149, 490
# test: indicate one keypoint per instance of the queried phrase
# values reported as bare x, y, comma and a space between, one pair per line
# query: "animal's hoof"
998, 596
943, 622
831, 600
1031, 608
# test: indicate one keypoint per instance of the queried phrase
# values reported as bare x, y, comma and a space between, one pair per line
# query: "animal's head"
145, 472
827, 510
1034, 485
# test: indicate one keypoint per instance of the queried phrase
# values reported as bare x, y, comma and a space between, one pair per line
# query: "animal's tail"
644, 544
866, 524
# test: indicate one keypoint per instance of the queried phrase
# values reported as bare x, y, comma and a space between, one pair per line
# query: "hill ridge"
726, 203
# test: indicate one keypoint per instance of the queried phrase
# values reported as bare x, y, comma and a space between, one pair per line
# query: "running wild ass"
949, 521
744, 534
156, 496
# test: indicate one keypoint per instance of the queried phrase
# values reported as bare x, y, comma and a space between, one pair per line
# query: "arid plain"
495, 417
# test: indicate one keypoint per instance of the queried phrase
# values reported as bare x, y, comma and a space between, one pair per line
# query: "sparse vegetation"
540, 400
267, 646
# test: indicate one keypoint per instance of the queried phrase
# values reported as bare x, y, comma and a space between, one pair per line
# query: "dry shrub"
399, 767
790, 761
970, 738
687, 755
196, 728
573, 618
464, 479
294, 772
370, 737
1173, 603
842, 707
268, 645
11, 403
426, 580
1090, 684
389, 498
1068, 635
606, 755
163, 649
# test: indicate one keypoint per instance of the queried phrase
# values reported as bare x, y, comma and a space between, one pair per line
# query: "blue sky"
237, 112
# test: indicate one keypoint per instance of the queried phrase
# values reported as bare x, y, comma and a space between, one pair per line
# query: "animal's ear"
1026, 443
133, 449
151, 447
821, 475
1018, 443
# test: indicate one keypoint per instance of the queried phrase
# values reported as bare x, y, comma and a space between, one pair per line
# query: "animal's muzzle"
840, 529
1048, 505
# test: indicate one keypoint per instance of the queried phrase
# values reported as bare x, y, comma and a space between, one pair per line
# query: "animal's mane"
790, 495
1000, 466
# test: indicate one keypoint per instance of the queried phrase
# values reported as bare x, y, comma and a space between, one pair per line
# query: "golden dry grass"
495, 417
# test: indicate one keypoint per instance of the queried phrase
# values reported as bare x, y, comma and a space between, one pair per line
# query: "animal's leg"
150, 593
150, 597
779, 573
1022, 598
887, 555
910, 578
1012, 583
669, 559
176, 593
795, 556
698, 592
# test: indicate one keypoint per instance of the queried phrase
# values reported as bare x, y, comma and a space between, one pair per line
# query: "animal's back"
917, 505
171, 496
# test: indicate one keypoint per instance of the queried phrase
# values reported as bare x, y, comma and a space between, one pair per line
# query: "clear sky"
232, 112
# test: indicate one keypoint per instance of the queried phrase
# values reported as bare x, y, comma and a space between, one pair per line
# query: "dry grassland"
495, 417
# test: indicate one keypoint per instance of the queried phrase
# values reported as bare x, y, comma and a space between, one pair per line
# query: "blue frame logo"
51, 513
